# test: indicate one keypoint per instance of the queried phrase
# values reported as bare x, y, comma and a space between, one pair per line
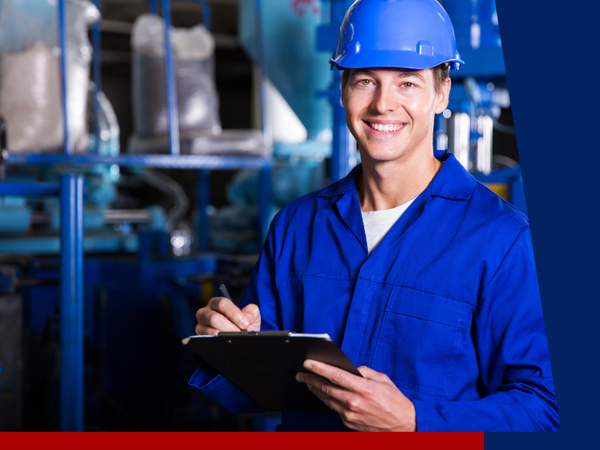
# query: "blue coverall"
447, 305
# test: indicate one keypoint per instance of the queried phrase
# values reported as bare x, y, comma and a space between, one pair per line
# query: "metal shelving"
70, 191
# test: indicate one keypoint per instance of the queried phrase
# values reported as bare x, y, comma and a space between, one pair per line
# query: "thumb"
253, 313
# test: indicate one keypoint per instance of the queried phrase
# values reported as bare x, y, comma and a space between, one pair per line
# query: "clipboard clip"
253, 333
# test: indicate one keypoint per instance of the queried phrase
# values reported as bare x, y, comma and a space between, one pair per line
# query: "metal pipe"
173, 189
3, 148
459, 138
71, 303
206, 13
126, 216
148, 160
262, 74
110, 216
484, 152
202, 204
153, 7
170, 82
203, 188
62, 39
344, 143
441, 134
97, 77
264, 201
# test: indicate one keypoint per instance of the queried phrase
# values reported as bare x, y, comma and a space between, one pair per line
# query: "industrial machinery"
478, 98
103, 295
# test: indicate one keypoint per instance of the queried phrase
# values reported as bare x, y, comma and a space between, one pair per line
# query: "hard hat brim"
390, 58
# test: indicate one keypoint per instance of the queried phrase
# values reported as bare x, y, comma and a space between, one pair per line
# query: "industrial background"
178, 149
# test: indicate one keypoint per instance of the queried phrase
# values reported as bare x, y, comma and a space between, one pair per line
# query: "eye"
365, 82
407, 84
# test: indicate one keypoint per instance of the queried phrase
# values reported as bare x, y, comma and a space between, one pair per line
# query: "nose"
384, 100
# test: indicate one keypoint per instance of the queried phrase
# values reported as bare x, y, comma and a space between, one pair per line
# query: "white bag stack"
197, 98
30, 79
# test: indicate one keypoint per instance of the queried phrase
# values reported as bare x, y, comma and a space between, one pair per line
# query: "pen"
225, 292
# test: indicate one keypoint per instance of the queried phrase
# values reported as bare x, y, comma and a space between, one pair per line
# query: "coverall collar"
452, 180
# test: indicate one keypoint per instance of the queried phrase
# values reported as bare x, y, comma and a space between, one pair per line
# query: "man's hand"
372, 403
221, 314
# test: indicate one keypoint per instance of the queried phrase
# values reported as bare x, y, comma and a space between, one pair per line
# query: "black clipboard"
264, 365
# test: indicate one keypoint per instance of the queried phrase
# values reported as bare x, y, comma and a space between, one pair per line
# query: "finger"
337, 376
253, 311
371, 374
228, 309
204, 331
311, 378
329, 401
201, 328
316, 385
349, 418
210, 319
349, 405
323, 388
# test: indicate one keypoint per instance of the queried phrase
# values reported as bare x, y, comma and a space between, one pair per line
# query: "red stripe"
245, 441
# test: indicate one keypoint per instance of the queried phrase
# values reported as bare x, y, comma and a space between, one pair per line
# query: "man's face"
390, 112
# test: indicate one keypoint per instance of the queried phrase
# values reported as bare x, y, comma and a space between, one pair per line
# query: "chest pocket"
419, 338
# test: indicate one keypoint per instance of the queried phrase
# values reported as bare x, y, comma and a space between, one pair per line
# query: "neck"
387, 184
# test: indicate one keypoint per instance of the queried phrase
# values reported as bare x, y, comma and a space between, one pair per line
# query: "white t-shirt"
378, 223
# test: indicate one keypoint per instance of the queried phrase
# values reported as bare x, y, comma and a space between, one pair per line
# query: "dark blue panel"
550, 55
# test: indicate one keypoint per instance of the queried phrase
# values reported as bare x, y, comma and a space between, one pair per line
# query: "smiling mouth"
389, 128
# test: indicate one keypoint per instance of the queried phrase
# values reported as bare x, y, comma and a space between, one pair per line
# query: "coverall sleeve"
512, 351
213, 385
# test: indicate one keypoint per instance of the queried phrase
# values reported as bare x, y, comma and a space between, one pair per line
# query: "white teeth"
385, 128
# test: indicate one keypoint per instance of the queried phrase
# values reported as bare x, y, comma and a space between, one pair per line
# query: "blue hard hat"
409, 34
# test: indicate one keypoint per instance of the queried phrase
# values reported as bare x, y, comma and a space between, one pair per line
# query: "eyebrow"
399, 74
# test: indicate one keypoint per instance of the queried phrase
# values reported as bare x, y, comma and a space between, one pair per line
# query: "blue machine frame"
71, 201
70, 191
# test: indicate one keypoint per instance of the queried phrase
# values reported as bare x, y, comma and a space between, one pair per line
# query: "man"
423, 276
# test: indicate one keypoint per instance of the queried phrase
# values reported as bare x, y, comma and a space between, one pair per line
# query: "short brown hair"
440, 73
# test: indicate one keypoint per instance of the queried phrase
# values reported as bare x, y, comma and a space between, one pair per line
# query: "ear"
443, 96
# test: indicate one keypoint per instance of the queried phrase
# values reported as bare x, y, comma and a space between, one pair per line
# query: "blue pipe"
343, 144
203, 202
343, 141
206, 14
262, 69
264, 201
264, 181
62, 39
170, 82
97, 76
71, 303
170, 70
